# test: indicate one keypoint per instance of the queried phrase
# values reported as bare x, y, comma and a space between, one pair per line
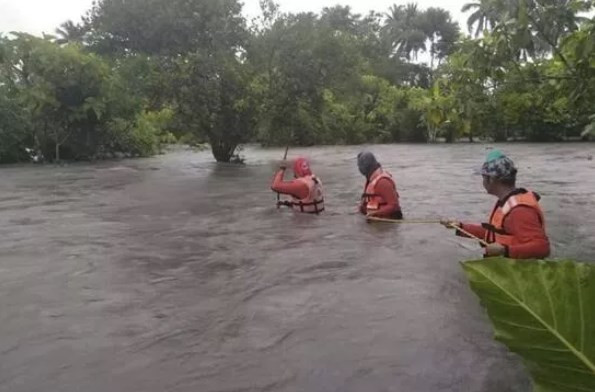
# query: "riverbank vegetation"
131, 76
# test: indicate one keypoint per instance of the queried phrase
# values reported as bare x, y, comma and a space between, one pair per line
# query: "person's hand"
450, 223
495, 249
361, 208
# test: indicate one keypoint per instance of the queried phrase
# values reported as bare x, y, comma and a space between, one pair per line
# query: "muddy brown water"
178, 274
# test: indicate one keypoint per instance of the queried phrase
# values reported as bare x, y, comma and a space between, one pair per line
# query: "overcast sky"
37, 16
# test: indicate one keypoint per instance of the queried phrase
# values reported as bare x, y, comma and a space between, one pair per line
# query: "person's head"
301, 168
499, 173
367, 163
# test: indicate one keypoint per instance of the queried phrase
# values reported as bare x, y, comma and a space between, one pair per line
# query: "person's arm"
363, 204
293, 188
363, 208
476, 230
386, 190
473, 229
524, 223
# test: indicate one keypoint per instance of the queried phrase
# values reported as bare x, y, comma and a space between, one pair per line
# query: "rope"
401, 221
427, 221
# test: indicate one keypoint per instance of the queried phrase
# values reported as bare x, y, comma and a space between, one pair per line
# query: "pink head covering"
301, 167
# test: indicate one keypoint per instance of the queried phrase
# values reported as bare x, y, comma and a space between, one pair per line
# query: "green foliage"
305, 78
186, 55
166, 27
145, 135
409, 29
299, 58
213, 98
14, 129
61, 103
542, 310
330, 79
589, 128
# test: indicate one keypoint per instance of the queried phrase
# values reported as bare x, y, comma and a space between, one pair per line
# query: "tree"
340, 18
438, 108
14, 128
300, 56
191, 41
69, 32
532, 28
169, 27
213, 98
405, 31
485, 16
71, 104
66, 96
134, 72
442, 32
411, 31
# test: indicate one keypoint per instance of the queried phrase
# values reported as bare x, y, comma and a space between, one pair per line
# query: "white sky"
37, 16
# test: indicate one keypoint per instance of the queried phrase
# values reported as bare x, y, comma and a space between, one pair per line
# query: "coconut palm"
484, 16
442, 32
403, 27
70, 32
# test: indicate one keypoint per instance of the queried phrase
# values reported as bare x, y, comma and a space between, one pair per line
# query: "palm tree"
70, 32
340, 18
403, 27
555, 20
485, 16
442, 32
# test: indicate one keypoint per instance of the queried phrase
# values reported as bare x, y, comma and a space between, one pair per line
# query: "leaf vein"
566, 386
570, 369
541, 348
519, 325
554, 332
549, 297
581, 311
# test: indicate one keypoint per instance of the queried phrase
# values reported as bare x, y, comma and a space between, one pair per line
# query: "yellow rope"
428, 221
469, 234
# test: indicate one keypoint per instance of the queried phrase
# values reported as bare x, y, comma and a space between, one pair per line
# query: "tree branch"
554, 46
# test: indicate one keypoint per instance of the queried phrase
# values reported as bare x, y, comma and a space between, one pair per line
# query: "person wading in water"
516, 227
305, 189
380, 198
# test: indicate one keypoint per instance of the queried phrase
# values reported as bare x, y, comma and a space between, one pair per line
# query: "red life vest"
372, 200
495, 229
314, 202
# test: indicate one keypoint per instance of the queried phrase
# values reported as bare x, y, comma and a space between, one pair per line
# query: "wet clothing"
380, 197
306, 192
293, 188
314, 202
517, 222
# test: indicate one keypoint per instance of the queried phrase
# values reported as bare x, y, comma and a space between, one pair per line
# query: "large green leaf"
545, 312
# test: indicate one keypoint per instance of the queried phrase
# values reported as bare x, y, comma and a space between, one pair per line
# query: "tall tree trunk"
432, 55
449, 137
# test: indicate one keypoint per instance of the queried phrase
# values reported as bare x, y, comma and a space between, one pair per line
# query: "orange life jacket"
314, 203
372, 200
495, 229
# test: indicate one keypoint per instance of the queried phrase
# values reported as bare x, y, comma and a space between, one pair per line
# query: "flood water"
178, 274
